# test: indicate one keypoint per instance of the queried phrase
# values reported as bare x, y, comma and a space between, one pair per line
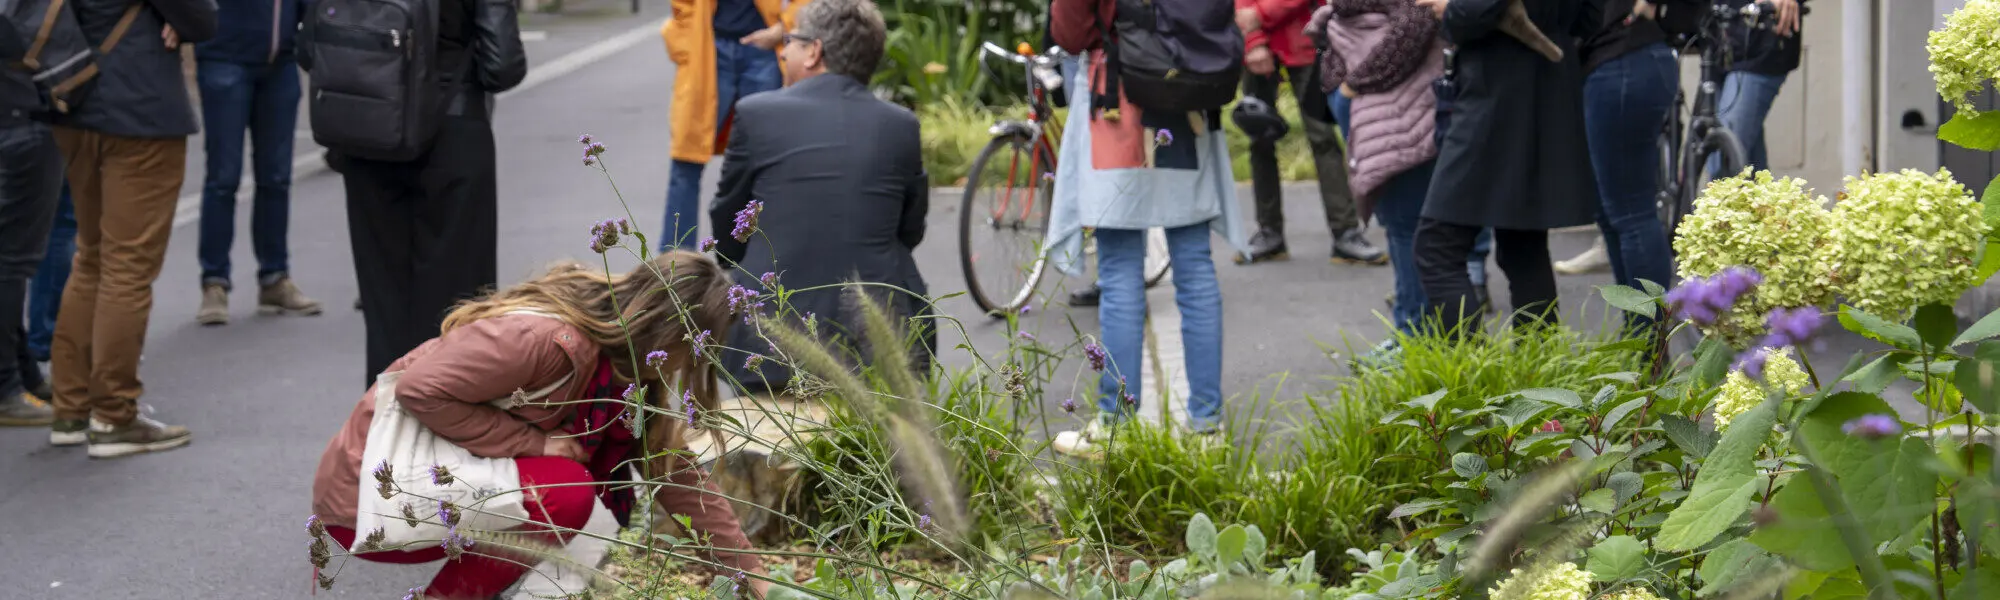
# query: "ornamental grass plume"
1773, 226
1554, 581
1966, 52
1904, 240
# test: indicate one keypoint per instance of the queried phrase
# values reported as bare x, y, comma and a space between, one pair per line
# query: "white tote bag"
486, 491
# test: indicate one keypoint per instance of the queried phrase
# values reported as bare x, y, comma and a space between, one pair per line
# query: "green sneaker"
73, 432
140, 436
17, 409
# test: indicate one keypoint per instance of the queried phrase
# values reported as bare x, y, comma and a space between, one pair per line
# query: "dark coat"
1514, 156
841, 176
141, 91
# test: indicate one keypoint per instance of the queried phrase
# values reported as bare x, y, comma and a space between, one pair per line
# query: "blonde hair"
663, 305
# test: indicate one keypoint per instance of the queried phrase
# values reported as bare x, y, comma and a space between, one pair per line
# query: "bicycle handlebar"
1041, 67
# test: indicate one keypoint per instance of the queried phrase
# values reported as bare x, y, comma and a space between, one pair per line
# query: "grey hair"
850, 32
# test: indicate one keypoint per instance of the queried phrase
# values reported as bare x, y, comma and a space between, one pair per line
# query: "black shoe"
1086, 296
1352, 247
1267, 245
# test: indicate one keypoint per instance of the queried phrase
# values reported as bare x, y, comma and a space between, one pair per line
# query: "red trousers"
478, 576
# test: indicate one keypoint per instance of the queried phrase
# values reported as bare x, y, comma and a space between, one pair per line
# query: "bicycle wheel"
1157, 262
1720, 146
1668, 201
1002, 221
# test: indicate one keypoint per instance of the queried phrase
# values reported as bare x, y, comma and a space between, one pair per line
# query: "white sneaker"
1590, 261
1083, 444
73, 433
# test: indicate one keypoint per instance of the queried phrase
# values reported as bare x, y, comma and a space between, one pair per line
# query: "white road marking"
188, 209
1164, 359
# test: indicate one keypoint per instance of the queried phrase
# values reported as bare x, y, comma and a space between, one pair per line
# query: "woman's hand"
1260, 61
1436, 6
766, 38
171, 37
564, 447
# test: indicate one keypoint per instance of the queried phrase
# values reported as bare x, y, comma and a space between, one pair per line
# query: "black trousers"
31, 177
1331, 167
1523, 254
425, 235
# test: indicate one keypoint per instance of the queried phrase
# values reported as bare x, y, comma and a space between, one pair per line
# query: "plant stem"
1873, 573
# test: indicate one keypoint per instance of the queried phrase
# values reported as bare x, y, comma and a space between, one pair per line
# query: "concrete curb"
188, 209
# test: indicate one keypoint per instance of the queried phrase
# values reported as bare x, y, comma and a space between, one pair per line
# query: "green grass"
954, 131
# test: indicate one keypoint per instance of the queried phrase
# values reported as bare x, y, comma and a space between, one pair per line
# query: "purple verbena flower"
1793, 326
593, 149
656, 358
1163, 138
1096, 355
923, 521
448, 513
742, 299
769, 279
589, 160
701, 339
1025, 307
1751, 362
750, 363
314, 527
1704, 300
1873, 427
746, 220
1069, 405
707, 244
417, 592
1025, 335
583, 139
631, 392
605, 233
1130, 401
440, 475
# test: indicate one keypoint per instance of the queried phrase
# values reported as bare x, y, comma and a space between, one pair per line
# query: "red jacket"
1284, 25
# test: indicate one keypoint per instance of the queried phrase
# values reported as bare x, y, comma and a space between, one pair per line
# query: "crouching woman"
559, 333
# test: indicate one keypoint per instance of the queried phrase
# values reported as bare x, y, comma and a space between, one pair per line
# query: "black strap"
1109, 99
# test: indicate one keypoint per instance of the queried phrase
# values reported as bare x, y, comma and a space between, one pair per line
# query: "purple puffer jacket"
1387, 52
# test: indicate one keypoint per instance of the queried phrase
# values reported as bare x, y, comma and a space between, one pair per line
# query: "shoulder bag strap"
117, 33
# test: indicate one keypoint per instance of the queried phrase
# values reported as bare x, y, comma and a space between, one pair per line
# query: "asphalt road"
223, 518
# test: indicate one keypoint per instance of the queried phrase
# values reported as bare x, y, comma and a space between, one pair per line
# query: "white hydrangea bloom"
1774, 226
1903, 240
1559, 581
1966, 51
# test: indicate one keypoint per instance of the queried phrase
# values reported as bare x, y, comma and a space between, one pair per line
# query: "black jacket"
1514, 155
17, 93
482, 39
141, 91
841, 176
1761, 51
253, 31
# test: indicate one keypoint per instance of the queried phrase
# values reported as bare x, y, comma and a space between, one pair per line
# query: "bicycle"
1015, 216
1687, 145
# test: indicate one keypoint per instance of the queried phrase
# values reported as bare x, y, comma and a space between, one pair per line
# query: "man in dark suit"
840, 180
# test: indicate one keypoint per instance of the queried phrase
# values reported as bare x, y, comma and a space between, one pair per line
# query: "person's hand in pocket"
171, 37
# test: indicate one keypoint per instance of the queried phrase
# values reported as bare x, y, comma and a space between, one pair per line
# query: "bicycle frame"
1041, 130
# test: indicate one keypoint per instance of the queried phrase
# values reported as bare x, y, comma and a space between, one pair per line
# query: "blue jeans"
1745, 100
263, 99
1625, 103
1121, 259
46, 289
740, 70
1399, 203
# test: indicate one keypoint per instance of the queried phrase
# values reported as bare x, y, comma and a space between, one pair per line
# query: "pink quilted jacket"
1388, 52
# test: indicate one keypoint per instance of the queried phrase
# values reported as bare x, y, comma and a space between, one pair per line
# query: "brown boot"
283, 297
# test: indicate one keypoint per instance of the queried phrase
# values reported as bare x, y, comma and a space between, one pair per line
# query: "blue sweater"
253, 31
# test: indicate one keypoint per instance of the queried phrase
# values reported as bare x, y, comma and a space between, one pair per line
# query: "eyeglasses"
793, 38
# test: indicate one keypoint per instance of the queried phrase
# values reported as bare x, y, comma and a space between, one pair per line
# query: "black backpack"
60, 58
1173, 55
377, 91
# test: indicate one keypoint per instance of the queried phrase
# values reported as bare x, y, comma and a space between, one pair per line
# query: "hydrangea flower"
1772, 226
1632, 594
1903, 240
1559, 581
1740, 391
1966, 52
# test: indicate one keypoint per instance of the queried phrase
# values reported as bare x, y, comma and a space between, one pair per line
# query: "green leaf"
1427, 401
1627, 484
1987, 327
1978, 379
1468, 465
1981, 584
1730, 563
1689, 436
1887, 485
1936, 325
1989, 254
1254, 545
1629, 300
1617, 558
1978, 131
1652, 289
1722, 488
1557, 396
1411, 509
1712, 358
1230, 543
1522, 411
1600, 500
723, 588
1624, 377
1877, 376
1201, 537
1803, 531
1878, 328
1618, 413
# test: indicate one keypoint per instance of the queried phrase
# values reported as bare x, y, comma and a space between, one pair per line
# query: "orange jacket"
690, 40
